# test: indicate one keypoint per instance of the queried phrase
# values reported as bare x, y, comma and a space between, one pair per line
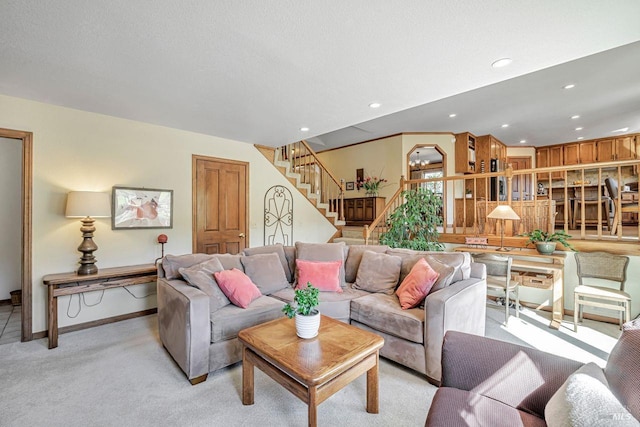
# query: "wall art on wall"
141, 208
278, 216
350, 185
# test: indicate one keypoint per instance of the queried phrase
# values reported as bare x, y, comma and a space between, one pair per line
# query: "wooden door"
219, 205
520, 184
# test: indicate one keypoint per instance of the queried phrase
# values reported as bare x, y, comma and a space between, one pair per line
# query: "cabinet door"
587, 152
359, 210
369, 209
625, 148
606, 150
556, 159
349, 209
571, 154
542, 161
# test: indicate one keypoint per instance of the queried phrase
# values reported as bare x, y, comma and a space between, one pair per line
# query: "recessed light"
304, 129
569, 86
621, 130
575, 117
375, 105
578, 128
505, 125
581, 137
522, 141
502, 62
452, 115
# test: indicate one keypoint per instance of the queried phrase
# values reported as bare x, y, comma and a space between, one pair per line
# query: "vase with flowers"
372, 185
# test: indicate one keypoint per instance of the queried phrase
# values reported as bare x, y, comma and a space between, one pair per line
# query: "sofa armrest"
460, 306
184, 325
478, 270
521, 377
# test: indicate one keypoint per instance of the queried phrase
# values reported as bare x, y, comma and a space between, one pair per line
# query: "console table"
106, 278
550, 267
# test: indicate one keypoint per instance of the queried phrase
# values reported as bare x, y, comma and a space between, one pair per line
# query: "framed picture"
141, 208
350, 185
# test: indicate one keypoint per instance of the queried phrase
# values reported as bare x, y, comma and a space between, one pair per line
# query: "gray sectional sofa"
198, 326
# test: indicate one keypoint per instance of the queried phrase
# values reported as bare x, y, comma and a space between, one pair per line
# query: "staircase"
354, 235
300, 165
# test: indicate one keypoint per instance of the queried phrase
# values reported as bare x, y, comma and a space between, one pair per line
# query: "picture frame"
350, 185
136, 208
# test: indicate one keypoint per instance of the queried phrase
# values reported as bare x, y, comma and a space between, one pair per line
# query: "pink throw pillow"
323, 275
237, 286
416, 286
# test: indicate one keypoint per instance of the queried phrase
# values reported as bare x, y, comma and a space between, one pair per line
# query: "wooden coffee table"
312, 369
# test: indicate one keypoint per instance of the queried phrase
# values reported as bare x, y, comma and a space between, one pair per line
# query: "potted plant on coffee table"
546, 242
306, 314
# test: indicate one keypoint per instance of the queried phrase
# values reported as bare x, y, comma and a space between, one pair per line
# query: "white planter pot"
307, 326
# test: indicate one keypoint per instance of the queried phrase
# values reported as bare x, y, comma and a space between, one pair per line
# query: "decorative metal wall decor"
278, 216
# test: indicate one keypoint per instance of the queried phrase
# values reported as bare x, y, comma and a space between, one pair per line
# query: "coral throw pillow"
416, 286
323, 275
237, 286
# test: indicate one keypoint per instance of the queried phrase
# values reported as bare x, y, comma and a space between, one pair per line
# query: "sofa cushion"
416, 286
237, 286
382, 312
290, 254
454, 407
266, 272
322, 252
378, 272
277, 249
460, 261
172, 264
623, 368
355, 257
229, 320
322, 275
201, 276
585, 400
332, 304
445, 271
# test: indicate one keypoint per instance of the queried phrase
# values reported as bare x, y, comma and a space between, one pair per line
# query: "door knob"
241, 235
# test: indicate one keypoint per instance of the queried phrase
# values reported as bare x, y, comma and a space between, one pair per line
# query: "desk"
551, 265
106, 278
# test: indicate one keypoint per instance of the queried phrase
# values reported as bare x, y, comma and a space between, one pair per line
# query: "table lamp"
503, 212
87, 205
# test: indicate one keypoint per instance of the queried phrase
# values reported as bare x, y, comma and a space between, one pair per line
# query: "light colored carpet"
120, 375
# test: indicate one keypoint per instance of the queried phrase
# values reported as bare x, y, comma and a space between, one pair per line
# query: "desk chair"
499, 279
606, 266
612, 188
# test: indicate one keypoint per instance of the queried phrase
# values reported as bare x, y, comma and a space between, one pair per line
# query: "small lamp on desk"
87, 205
503, 212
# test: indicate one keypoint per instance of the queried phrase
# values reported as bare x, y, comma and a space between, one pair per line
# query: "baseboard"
95, 323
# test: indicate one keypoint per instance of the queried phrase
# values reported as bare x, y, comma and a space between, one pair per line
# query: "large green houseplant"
413, 225
305, 312
546, 242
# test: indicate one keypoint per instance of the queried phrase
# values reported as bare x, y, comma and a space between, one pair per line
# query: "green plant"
542, 236
413, 225
306, 300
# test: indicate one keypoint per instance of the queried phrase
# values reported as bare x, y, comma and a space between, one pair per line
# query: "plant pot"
546, 248
307, 326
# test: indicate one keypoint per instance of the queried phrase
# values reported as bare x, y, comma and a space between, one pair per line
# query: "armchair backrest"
612, 187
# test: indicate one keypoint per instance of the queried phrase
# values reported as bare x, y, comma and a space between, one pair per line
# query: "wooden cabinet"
587, 152
547, 157
610, 149
465, 153
571, 153
362, 210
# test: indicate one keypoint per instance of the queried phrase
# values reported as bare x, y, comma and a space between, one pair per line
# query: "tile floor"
9, 324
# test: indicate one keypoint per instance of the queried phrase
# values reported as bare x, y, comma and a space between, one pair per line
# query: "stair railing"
371, 233
325, 187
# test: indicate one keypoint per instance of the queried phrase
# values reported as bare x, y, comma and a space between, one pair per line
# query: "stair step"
353, 232
349, 241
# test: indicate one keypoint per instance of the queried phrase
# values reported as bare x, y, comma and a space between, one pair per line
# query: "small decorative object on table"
307, 316
372, 185
546, 243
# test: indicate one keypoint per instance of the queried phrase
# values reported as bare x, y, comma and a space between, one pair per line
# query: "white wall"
10, 215
77, 150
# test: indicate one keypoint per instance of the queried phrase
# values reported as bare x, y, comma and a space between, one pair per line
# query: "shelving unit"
465, 153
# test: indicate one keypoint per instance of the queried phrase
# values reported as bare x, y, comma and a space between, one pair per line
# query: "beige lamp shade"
503, 212
82, 204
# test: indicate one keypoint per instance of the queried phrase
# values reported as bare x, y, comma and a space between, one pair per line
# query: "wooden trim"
5, 302
385, 137
100, 322
322, 165
27, 206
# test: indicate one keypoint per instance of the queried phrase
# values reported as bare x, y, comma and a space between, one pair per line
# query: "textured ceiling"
257, 71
